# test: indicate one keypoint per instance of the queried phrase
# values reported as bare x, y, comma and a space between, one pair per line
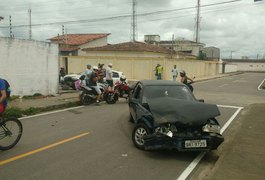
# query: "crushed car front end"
185, 138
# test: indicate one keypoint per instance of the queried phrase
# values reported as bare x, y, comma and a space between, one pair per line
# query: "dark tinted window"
178, 92
115, 75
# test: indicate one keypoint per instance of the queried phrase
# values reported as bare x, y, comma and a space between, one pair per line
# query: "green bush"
30, 111
13, 112
37, 95
11, 98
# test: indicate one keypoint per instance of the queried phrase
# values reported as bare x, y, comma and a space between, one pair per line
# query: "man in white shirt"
174, 73
109, 76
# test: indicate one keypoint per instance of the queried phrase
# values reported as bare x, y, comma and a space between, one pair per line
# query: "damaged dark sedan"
168, 116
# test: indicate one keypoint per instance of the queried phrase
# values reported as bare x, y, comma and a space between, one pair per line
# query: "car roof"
160, 83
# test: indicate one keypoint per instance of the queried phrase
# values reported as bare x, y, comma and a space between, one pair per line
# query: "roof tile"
77, 39
130, 46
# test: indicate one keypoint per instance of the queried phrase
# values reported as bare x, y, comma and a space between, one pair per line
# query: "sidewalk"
65, 98
242, 155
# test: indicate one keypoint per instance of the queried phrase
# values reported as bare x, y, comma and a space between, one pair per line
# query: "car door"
134, 101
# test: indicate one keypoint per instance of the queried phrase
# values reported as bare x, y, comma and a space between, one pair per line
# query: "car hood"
191, 113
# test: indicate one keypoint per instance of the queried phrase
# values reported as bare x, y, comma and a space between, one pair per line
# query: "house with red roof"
131, 49
71, 44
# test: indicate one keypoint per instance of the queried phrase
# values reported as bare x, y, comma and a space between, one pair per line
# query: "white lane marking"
191, 167
259, 88
227, 106
52, 112
230, 120
196, 161
223, 85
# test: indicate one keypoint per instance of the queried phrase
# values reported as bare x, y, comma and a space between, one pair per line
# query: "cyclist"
3, 95
184, 79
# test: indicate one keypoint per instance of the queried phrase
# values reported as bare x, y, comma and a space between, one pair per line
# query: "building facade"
212, 52
183, 46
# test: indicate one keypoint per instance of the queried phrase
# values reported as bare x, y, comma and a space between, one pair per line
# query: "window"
115, 74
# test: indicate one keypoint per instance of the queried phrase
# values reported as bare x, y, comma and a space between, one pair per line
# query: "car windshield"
178, 92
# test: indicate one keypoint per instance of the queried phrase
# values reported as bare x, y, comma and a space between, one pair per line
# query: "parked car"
168, 116
71, 78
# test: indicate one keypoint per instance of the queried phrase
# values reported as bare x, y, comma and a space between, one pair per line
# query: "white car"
71, 78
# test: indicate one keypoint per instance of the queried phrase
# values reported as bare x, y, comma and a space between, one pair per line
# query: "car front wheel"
139, 132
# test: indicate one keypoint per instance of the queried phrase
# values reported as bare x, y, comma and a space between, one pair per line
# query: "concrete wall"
249, 66
228, 68
143, 67
29, 66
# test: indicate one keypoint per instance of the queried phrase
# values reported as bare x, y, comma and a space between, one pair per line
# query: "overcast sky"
237, 27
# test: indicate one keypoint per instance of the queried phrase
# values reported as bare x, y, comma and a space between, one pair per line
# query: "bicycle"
10, 132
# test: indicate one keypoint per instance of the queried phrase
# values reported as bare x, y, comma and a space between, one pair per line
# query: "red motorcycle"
122, 88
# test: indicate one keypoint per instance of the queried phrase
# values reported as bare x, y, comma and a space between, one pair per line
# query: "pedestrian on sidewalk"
61, 75
174, 73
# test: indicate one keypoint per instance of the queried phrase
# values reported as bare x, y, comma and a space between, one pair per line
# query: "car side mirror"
200, 100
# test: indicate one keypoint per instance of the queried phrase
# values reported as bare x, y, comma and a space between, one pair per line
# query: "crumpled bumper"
161, 141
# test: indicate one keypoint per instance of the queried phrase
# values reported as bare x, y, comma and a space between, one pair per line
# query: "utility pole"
30, 32
63, 33
134, 22
231, 54
10, 27
197, 22
172, 46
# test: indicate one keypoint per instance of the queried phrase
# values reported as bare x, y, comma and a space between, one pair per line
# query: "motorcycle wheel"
111, 98
85, 99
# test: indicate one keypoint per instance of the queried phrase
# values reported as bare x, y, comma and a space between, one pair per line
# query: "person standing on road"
174, 73
109, 76
156, 75
159, 72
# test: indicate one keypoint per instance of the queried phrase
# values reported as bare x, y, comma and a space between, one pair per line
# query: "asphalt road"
237, 90
101, 146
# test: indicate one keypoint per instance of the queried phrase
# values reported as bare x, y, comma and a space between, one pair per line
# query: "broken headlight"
166, 129
211, 128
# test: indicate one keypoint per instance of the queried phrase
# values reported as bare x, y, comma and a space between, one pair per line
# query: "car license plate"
195, 143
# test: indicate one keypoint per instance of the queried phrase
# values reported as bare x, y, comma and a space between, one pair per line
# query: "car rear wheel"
138, 134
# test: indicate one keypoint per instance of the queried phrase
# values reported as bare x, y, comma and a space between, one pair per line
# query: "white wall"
228, 68
95, 43
29, 66
251, 66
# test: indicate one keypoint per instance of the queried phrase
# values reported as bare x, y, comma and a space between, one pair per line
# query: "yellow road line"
41, 149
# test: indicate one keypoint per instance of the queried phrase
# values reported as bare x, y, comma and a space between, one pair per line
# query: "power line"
120, 16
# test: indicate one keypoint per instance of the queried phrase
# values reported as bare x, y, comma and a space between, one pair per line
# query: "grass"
17, 112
